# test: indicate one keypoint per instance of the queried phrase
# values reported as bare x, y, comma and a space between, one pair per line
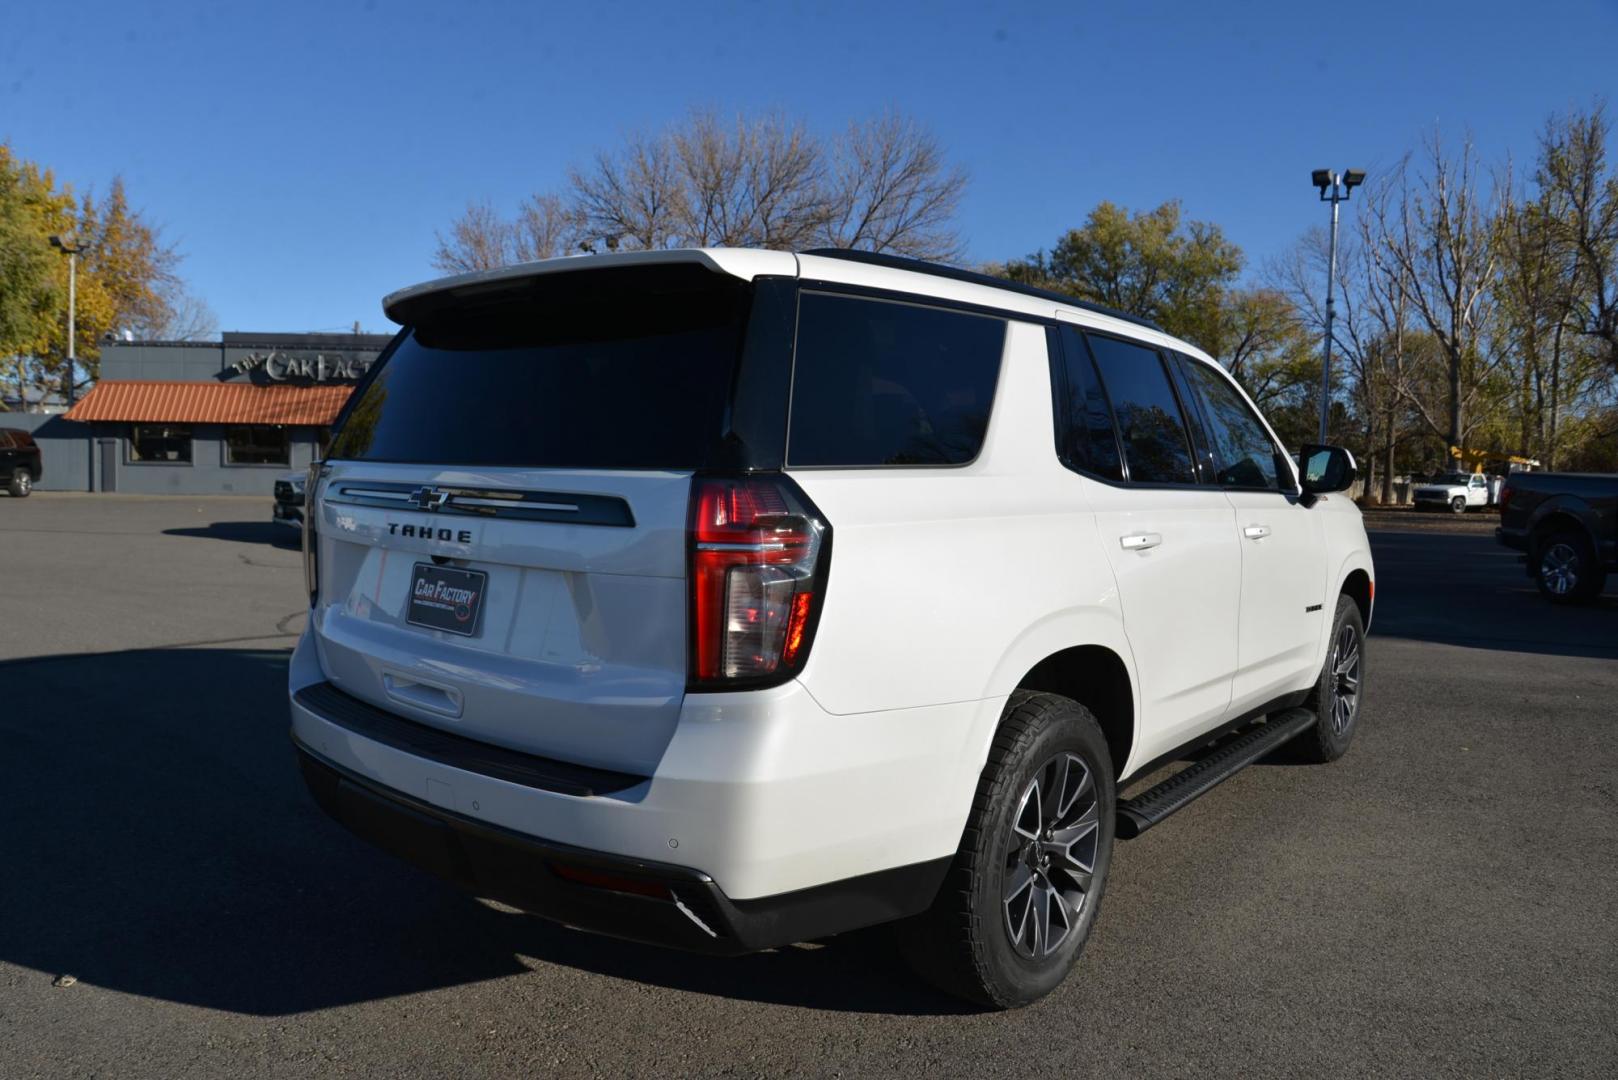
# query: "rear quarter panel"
950, 584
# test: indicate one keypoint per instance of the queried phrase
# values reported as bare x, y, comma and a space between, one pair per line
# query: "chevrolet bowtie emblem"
429, 498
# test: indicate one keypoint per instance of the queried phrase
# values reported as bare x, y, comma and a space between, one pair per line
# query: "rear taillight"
1505, 497
758, 568
311, 564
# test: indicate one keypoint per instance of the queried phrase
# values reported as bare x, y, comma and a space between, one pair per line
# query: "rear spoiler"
407, 306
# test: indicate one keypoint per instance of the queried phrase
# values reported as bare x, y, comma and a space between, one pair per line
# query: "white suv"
724, 599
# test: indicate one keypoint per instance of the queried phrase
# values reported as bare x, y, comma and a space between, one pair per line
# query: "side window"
1149, 421
1086, 437
881, 383
1195, 419
1243, 454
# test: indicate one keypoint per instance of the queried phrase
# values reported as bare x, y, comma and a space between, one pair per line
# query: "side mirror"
1324, 469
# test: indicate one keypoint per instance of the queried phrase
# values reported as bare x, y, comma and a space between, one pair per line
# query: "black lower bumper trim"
457, 751
652, 902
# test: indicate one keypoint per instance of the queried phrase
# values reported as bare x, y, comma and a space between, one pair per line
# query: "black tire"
1565, 568
964, 943
1345, 657
21, 484
1458, 504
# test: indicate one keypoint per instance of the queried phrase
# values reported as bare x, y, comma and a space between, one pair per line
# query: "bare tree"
184, 317
1434, 241
632, 198
545, 228
892, 190
765, 181
1573, 169
480, 239
756, 183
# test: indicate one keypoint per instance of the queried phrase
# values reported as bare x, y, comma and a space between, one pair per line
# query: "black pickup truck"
1567, 524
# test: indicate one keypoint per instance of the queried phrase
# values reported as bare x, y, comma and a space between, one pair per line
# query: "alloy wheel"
1050, 858
1559, 569
1345, 679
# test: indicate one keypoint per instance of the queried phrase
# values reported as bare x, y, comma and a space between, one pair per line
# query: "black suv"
20, 464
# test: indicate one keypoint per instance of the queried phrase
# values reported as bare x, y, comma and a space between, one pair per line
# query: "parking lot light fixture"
70, 246
1334, 188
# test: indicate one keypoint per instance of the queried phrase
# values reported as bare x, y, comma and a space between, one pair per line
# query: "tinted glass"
159, 442
1085, 428
625, 371
255, 444
1149, 421
878, 383
1195, 421
1243, 453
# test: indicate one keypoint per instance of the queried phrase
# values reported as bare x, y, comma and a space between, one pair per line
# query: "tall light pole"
72, 249
1334, 188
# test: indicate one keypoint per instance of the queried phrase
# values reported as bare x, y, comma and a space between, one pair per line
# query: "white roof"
748, 263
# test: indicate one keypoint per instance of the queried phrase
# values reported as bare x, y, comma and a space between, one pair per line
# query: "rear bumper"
1515, 539
651, 902
763, 797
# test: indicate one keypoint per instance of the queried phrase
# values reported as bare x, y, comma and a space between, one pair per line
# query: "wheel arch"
1357, 587
1555, 519
1057, 654
1097, 678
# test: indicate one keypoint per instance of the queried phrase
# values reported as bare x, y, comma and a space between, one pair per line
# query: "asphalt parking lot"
1444, 901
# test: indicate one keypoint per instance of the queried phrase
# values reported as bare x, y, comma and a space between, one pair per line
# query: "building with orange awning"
225, 417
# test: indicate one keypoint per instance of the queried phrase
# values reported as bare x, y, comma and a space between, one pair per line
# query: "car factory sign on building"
317, 367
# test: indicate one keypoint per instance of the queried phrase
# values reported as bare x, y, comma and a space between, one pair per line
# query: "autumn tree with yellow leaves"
127, 279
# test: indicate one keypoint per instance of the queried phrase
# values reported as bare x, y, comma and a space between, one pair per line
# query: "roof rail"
922, 266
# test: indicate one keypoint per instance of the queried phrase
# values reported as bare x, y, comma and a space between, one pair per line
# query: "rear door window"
886, 383
1150, 425
1244, 455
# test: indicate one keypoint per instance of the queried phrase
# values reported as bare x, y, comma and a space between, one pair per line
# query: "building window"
163, 443
257, 444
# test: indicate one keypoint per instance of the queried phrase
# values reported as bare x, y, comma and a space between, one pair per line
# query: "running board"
1148, 808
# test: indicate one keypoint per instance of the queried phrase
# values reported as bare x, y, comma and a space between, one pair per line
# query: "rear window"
605, 369
887, 383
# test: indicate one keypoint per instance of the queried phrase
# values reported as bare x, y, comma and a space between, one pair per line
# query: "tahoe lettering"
427, 532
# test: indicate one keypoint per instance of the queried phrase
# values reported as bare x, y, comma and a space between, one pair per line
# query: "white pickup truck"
1456, 491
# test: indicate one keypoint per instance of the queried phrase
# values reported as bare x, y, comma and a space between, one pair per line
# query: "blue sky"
302, 155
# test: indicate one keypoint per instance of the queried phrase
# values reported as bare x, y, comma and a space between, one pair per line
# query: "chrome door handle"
1256, 532
1140, 541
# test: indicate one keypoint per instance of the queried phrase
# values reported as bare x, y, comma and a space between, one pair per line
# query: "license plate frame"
436, 600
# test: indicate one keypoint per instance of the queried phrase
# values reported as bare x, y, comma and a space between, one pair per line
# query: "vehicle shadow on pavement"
245, 532
155, 839
1469, 591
